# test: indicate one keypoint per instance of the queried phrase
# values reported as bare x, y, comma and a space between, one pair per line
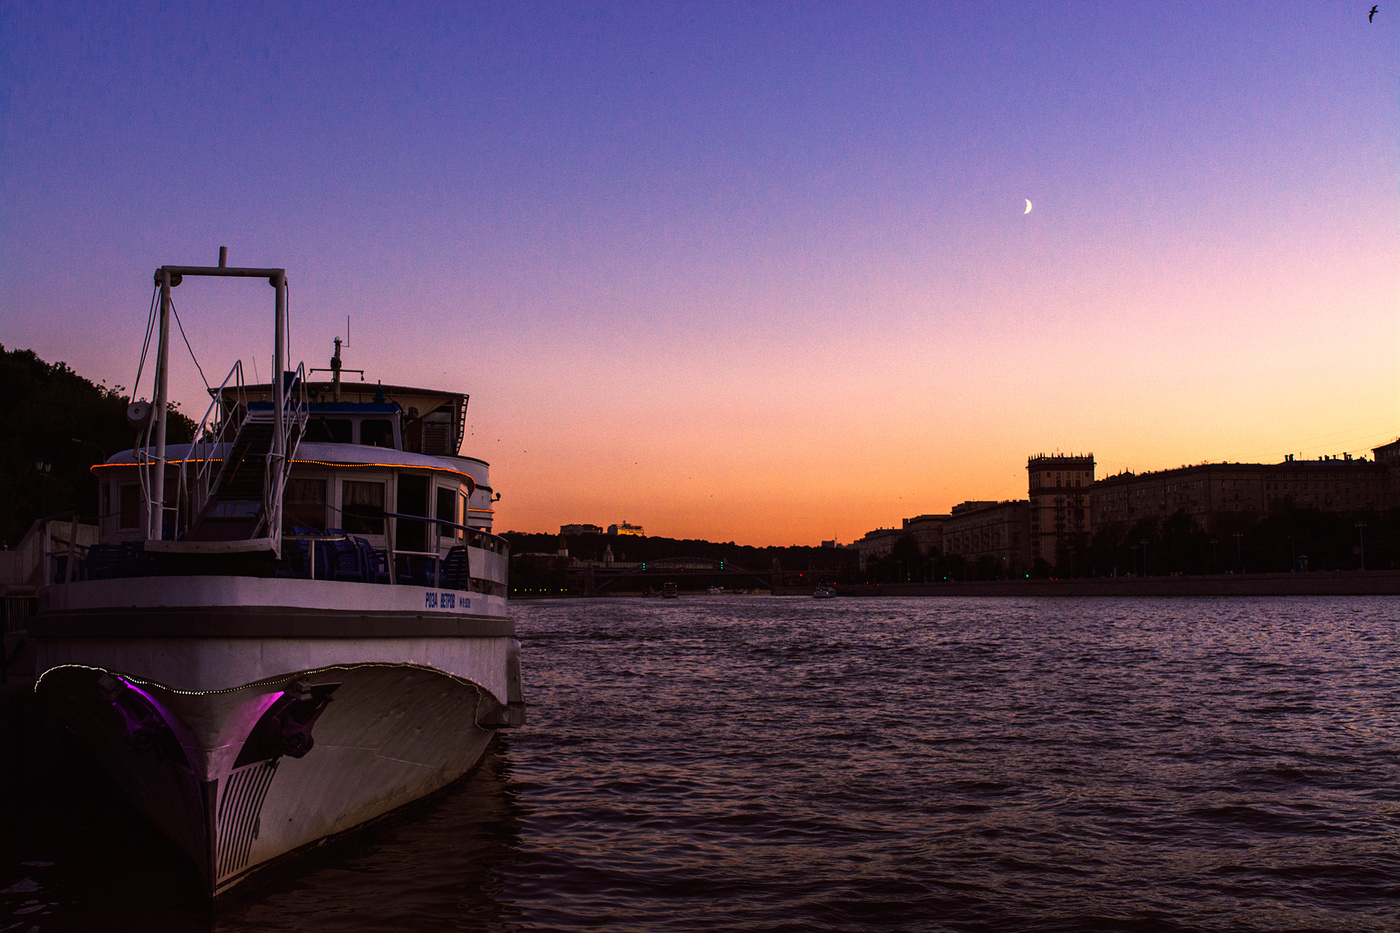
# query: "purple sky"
758, 272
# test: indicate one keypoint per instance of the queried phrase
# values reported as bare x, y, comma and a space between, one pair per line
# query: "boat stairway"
234, 509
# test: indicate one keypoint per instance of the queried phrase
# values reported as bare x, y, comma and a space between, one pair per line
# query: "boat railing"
475, 537
488, 542
334, 554
417, 568
208, 441
337, 555
412, 566
296, 409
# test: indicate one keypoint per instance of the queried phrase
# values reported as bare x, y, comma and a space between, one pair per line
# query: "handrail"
474, 538
427, 518
471, 530
297, 405
202, 472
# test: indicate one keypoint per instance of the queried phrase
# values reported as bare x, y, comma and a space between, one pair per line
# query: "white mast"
155, 511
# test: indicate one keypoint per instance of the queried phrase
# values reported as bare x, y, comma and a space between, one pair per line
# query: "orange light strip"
387, 466
325, 463
101, 466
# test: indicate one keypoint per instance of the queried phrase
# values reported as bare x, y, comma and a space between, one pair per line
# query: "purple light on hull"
147, 721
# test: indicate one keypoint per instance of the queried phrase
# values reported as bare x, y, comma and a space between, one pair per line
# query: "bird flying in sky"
1372, 15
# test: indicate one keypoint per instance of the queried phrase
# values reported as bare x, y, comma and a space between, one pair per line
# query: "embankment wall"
1341, 583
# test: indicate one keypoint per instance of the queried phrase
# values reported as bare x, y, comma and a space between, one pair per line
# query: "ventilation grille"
239, 809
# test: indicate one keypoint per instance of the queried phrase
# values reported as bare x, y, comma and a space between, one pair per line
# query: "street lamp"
1361, 530
98, 447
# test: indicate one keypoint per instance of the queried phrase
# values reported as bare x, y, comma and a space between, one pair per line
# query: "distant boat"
824, 591
716, 591
669, 591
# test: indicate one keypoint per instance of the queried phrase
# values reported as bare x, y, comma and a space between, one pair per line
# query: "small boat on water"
670, 591
824, 591
291, 626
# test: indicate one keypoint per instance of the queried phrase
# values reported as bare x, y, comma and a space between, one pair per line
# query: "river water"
758, 763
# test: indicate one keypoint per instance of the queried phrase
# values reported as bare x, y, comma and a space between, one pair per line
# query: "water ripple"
771, 764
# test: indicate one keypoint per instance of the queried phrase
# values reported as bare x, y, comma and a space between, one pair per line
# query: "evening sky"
740, 271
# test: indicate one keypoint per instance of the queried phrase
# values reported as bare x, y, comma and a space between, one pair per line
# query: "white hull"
257, 734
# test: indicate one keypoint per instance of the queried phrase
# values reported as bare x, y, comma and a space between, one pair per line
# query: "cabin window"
377, 432
362, 507
330, 430
447, 511
304, 504
413, 500
129, 506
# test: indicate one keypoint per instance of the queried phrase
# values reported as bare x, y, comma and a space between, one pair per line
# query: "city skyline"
740, 272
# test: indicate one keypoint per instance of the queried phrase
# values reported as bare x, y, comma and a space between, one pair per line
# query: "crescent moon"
1028, 205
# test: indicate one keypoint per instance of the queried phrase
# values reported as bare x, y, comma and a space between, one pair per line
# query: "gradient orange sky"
745, 272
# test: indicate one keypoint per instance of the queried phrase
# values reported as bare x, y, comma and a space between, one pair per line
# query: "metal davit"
237, 508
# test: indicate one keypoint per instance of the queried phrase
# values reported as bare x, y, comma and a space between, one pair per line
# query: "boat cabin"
376, 489
391, 417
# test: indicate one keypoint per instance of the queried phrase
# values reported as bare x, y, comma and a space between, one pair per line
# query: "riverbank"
1339, 583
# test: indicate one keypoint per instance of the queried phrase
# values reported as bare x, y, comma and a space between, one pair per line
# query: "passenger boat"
293, 625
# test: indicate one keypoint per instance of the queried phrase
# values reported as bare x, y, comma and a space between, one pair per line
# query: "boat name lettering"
444, 601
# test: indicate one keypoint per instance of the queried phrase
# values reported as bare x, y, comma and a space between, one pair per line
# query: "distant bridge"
685, 572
